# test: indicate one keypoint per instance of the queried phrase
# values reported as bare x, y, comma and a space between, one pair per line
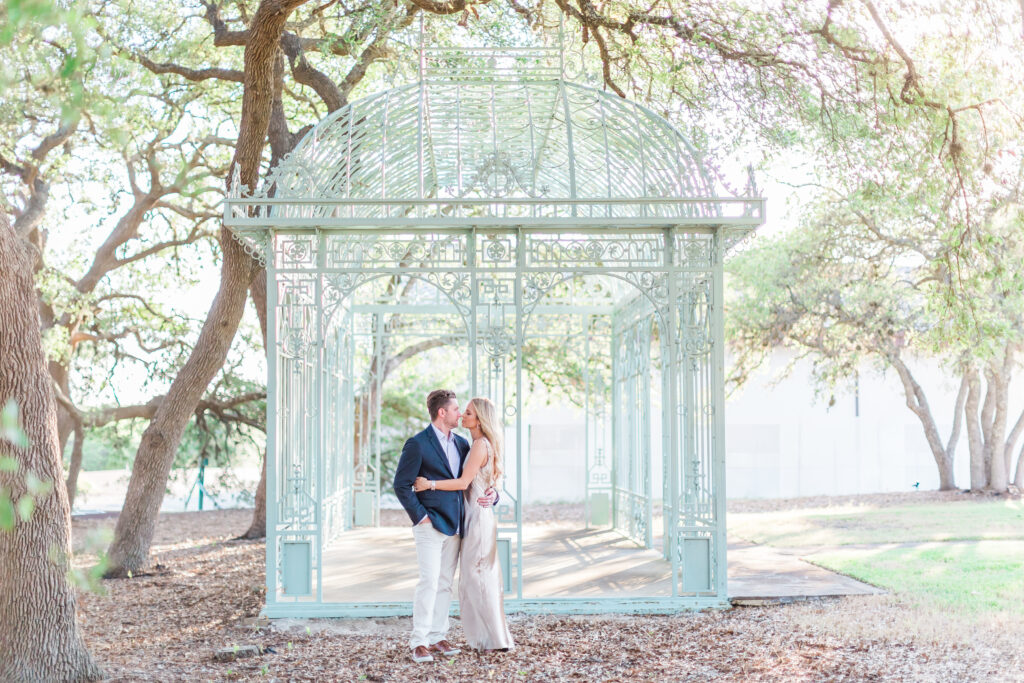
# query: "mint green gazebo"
489, 204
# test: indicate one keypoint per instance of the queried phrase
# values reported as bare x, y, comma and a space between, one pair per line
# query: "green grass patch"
968, 520
973, 578
970, 561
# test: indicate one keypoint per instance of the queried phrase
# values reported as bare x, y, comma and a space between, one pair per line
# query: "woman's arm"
474, 461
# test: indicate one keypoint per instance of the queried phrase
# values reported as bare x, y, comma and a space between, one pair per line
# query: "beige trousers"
438, 556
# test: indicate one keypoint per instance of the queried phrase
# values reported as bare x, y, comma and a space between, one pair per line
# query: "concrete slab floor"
562, 560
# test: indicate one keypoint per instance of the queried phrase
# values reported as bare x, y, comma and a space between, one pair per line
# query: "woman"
481, 600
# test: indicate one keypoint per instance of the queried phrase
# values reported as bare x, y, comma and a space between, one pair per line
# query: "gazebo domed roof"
501, 140
452, 152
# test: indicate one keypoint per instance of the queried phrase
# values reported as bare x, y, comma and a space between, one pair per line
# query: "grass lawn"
968, 520
963, 557
972, 578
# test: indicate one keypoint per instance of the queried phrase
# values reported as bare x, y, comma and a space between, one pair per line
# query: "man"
435, 453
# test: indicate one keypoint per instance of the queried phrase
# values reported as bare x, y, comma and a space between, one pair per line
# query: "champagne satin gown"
481, 598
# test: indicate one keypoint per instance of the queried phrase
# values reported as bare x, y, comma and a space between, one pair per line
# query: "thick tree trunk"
988, 410
137, 522
75, 466
258, 526
975, 443
59, 373
135, 526
281, 143
995, 435
1018, 479
1011, 443
39, 635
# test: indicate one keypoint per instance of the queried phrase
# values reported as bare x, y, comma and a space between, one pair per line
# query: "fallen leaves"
167, 626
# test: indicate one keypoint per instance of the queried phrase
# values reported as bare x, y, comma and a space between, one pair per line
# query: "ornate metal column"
497, 324
294, 515
633, 512
698, 531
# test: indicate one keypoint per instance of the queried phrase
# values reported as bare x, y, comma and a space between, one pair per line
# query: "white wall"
782, 442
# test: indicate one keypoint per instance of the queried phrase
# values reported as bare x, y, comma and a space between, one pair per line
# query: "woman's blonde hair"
493, 431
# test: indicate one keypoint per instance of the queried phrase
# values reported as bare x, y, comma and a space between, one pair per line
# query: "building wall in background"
782, 441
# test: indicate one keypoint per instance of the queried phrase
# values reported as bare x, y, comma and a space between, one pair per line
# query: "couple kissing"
448, 488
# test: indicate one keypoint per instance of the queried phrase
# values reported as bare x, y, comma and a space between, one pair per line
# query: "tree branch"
145, 304
392, 363
147, 410
606, 63
374, 51
442, 6
305, 74
193, 236
222, 36
56, 139
961, 398
195, 75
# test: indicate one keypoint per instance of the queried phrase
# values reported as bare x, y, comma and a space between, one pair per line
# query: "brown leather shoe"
421, 654
445, 648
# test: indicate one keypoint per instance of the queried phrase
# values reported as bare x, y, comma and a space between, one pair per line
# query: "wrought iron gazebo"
513, 204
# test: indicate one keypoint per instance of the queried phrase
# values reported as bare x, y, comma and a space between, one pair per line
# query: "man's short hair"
437, 399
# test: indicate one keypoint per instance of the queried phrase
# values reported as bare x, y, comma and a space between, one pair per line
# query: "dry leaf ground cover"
205, 591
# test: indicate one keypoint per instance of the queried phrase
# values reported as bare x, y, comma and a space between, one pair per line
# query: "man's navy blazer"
422, 456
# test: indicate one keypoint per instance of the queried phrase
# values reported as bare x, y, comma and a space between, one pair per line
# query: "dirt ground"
205, 591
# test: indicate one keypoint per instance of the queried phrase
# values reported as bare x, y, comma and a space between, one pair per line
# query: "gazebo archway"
495, 184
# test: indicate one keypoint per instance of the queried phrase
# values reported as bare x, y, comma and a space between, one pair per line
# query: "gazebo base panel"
524, 606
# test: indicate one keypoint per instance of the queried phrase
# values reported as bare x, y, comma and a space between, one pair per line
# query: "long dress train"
481, 594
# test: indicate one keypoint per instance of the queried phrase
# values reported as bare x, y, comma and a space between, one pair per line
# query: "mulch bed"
205, 592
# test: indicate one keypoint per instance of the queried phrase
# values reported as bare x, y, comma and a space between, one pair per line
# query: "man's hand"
487, 500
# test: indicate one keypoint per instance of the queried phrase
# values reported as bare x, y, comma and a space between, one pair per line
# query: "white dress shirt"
451, 451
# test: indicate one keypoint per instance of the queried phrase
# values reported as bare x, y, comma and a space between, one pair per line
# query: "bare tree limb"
958, 410
147, 410
222, 36
305, 74
193, 236
196, 75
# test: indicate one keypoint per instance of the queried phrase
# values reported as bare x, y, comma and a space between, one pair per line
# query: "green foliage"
14, 507
909, 229
30, 32
111, 446
7, 514
67, 64
94, 542
403, 403
11, 432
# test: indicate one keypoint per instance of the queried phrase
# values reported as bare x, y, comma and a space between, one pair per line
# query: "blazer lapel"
432, 438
